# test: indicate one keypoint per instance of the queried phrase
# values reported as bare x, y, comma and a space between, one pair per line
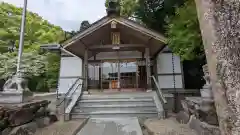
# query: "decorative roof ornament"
113, 8
113, 24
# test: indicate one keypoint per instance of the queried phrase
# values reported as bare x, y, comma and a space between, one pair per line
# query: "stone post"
15, 90
206, 91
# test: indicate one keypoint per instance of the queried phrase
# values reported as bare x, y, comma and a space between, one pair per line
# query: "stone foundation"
14, 116
203, 109
200, 114
203, 128
15, 97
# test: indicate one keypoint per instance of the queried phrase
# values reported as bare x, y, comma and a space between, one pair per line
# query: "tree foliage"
127, 7
184, 36
33, 64
38, 31
173, 18
154, 12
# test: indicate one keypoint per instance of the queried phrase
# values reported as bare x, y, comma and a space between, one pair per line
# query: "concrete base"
182, 117
86, 92
206, 93
14, 97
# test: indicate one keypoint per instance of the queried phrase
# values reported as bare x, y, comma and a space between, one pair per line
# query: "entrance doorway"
109, 75
129, 74
117, 75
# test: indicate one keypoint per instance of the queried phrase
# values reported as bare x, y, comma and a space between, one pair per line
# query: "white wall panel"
70, 66
165, 64
70, 70
165, 71
166, 81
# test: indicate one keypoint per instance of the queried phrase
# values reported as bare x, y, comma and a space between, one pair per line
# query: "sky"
67, 14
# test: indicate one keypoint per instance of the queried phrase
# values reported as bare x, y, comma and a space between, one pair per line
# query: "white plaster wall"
167, 81
70, 70
165, 64
165, 71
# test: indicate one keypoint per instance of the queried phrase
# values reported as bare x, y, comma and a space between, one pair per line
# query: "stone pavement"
168, 126
112, 126
62, 128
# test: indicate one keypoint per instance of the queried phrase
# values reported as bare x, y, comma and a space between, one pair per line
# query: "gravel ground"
167, 127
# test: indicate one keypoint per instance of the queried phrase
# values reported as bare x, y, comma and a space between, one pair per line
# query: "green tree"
171, 17
184, 36
38, 31
127, 7
33, 64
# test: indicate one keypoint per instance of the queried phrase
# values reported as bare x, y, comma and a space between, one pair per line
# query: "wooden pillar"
86, 70
137, 73
148, 68
119, 72
100, 75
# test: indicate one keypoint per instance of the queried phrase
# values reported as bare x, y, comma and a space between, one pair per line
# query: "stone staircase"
134, 104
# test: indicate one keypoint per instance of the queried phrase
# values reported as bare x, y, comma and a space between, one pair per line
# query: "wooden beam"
121, 49
110, 46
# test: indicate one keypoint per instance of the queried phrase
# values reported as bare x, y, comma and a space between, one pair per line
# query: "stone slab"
62, 128
26, 129
167, 127
112, 126
203, 128
12, 97
182, 117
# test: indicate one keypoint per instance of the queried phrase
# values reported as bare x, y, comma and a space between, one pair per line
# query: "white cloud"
65, 13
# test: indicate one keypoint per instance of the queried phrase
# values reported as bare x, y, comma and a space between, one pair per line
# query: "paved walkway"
167, 127
61, 128
112, 126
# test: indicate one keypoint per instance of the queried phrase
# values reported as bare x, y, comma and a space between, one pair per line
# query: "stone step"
97, 114
94, 97
115, 100
116, 106
93, 109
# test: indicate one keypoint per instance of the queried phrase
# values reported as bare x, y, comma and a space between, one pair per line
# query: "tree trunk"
220, 27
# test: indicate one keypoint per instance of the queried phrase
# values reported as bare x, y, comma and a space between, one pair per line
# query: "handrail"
73, 97
65, 107
69, 90
159, 91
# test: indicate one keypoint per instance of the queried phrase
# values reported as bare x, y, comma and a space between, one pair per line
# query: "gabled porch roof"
99, 33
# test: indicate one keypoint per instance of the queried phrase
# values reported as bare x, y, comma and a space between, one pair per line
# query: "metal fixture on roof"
113, 8
113, 24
